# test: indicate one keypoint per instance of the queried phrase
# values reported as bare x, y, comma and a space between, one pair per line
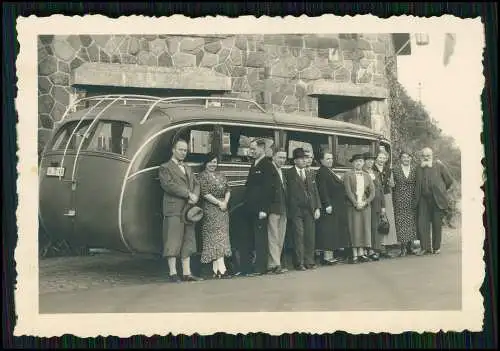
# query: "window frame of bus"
99, 125
200, 128
69, 129
286, 146
336, 164
229, 158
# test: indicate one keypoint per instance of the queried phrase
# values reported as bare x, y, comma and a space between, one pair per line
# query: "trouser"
276, 227
255, 239
429, 215
303, 228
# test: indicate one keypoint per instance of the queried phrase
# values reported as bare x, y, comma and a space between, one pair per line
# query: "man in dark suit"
181, 189
277, 216
303, 209
433, 180
258, 199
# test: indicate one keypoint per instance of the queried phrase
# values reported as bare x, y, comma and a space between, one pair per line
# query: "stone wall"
275, 70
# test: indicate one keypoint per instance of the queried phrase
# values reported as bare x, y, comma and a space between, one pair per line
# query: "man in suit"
303, 209
433, 180
181, 189
258, 199
277, 217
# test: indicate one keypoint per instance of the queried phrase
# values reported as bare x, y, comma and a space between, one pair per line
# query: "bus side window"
236, 142
110, 136
349, 146
312, 142
200, 141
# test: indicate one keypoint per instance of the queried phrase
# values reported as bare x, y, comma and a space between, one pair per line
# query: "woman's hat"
369, 156
357, 157
194, 214
299, 153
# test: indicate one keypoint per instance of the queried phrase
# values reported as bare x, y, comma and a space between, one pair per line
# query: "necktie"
181, 166
303, 174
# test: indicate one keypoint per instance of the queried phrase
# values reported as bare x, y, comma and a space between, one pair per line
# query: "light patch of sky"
449, 93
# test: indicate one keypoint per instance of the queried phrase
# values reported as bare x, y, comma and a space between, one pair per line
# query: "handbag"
384, 225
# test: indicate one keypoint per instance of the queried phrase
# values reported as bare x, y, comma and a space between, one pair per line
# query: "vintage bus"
98, 176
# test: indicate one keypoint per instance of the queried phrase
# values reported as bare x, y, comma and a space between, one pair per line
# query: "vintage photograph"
253, 172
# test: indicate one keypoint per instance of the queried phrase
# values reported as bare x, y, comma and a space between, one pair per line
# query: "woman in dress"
383, 169
403, 197
377, 206
360, 192
331, 230
215, 223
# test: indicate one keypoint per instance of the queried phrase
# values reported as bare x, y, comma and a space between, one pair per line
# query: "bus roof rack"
154, 101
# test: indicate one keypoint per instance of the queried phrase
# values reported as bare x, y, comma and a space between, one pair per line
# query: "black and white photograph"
246, 175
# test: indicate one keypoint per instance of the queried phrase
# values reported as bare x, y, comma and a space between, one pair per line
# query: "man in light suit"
277, 217
303, 209
433, 180
181, 189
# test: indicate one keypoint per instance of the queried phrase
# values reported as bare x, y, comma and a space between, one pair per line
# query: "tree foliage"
412, 127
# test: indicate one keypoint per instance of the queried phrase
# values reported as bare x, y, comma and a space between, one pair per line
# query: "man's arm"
170, 186
446, 176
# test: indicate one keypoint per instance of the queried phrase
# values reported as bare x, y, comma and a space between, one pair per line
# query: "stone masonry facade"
280, 72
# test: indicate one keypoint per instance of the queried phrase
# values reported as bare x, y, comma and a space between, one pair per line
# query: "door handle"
70, 213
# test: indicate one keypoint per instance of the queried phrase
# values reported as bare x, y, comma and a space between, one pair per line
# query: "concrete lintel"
328, 87
129, 75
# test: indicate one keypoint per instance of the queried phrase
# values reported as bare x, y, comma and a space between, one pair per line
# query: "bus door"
98, 169
57, 191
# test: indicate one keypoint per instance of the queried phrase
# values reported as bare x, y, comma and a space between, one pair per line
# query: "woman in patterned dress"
215, 223
404, 211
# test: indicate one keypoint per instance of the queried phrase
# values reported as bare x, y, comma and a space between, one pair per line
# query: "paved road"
122, 284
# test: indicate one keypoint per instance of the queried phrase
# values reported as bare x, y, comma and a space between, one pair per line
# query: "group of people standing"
295, 213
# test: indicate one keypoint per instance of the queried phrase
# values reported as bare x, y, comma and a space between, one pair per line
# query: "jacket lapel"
175, 168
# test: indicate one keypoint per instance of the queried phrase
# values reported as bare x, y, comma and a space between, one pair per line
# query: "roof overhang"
341, 97
324, 87
400, 40
138, 76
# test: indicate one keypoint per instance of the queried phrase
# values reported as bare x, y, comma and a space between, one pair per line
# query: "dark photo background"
488, 13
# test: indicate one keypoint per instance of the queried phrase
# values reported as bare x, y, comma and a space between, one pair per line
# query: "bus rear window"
64, 134
111, 136
348, 146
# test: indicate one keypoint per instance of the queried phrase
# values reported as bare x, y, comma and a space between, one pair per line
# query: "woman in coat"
360, 192
378, 207
331, 231
384, 171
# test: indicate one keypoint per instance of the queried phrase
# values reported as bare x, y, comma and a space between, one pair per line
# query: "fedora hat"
357, 157
299, 153
194, 214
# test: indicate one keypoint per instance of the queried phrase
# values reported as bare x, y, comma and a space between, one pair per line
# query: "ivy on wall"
412, 128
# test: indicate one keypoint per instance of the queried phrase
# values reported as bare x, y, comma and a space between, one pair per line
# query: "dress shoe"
422, 253
353, 260
311, 266
374, 257
174, 278
226, 275
437, 252
191, 278
300, 267
363, 258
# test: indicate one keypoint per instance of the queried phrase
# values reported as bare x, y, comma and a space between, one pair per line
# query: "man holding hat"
303, 209
181, 193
